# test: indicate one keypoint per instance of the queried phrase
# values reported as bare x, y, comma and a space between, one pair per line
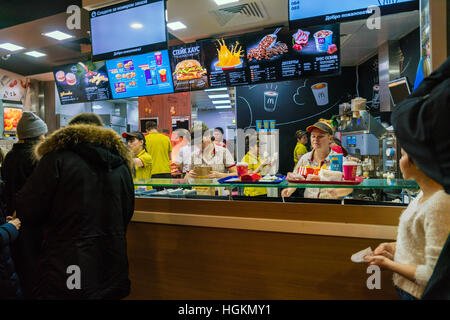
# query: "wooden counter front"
201, 249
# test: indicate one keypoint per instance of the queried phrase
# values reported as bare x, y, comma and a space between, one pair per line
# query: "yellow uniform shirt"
159, 146
253, 164
144, 172
299, 151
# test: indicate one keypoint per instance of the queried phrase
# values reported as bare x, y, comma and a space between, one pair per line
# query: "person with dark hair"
218, 137
424, 226
337, 147
160, 149
142, 159
87, 118
17, 167
80, 197
300, 148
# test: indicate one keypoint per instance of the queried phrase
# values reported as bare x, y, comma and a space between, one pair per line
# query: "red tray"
357, 181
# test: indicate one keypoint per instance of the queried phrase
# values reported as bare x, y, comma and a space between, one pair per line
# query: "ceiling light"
58, 35
35, 54
221, 101
97, 107
177, 25
222, 2
137, 25
10, 47
216, 89
219, 96
223, 107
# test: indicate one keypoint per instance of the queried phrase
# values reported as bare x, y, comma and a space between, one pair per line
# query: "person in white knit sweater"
420, 124
422, 232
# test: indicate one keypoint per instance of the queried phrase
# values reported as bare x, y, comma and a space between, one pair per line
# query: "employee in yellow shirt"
160, 148
300, 148
255, 165
142, 159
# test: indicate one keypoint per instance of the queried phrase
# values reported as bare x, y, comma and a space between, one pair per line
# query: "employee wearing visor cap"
321, 140
142, 159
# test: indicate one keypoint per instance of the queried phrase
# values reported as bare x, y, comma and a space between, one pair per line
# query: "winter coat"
18, 165
81, 196
9, 282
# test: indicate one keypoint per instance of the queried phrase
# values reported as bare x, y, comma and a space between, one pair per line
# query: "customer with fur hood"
81, 197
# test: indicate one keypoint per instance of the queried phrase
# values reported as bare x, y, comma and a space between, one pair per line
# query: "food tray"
225, 180
357, 181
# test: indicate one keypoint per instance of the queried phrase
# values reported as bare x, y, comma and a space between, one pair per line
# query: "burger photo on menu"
189, 72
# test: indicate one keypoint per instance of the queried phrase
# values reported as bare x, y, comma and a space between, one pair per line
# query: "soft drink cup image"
350, 170
320, 91
242, 168
158, 58
163, 75
336, 161
323, 39
270, 100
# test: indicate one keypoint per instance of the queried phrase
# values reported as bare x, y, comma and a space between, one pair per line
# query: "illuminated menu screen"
82, 82
280, 54
226, 62
142, 75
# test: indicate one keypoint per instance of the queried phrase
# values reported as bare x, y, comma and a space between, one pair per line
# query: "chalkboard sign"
294, 105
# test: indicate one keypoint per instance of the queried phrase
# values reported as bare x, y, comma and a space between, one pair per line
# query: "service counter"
220, 248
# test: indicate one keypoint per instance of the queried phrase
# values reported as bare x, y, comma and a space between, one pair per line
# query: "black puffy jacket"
81, 196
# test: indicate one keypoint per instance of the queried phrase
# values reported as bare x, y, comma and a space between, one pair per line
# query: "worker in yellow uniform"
143, 162
160, 148
300, 148
255, 165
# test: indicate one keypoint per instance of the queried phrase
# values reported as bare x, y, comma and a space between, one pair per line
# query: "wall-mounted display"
82, 82
11, 116
304, 13
142, 75
189, 70
128, 28
281, 54
226, 62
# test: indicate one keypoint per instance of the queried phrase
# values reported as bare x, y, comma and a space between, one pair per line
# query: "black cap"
322, 126
421, 125
300, 133
135, 134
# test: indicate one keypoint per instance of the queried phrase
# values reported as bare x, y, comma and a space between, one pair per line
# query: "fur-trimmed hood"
92, 143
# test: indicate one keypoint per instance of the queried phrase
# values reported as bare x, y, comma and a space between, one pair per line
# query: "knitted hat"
30, 126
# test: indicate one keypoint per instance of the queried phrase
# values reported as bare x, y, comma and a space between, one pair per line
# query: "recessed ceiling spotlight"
35, 54
137, 25
177, 25
58, 35
222, 2
10, 46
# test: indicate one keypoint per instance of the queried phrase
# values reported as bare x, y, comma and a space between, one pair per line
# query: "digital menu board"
11, 116
280, 54
128, 28
142, 75
82, 82
189, 71
304, 13
226, 62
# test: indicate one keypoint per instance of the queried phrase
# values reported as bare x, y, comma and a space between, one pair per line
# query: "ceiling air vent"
248, 13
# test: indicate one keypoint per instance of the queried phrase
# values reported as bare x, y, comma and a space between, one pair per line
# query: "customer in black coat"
9, 230
17, 166
81, 196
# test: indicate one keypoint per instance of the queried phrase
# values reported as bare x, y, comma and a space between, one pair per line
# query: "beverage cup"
350, 170
158, 58
270, 100
320, 91
242, 168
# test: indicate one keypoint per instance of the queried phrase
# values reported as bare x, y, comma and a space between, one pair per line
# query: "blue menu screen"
141, 75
